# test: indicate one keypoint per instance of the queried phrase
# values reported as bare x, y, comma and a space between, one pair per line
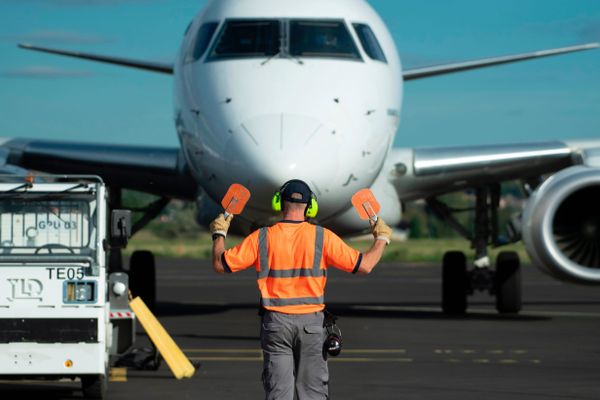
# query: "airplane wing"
124, 62
408, 74
426, 172
426, 72
158, 170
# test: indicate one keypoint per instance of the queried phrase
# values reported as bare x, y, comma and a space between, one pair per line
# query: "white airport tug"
61, 314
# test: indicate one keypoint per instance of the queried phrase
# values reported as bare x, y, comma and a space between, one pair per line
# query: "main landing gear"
458, 281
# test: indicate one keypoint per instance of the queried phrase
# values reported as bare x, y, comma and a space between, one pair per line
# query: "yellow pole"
179, 364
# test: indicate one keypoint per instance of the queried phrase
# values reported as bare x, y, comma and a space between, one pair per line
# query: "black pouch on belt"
333, 341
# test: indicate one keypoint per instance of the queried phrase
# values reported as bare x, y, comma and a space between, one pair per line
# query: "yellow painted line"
496, 351
374, 351
211, 358
346, 351
508, 361
481, 361
518, 351
369, 359
118, 375
535, 361
453, 360
331, 359
222, 351
469, 351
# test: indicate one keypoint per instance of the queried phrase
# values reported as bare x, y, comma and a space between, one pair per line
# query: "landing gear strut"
457, 281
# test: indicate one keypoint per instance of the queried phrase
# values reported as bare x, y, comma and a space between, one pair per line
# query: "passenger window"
369, 42
311, 38
247, 38
205, 33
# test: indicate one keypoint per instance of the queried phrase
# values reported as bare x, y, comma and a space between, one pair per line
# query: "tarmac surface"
397, 343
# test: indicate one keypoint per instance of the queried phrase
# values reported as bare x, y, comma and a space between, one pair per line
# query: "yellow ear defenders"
311, 209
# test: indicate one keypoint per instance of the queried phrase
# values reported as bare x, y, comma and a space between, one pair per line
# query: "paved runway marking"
351, 351
118, 375
255, 355
518, 351
222, 351
211, 358
374, 351
372, 355
341, 359
367, 359
483, 311
499, 356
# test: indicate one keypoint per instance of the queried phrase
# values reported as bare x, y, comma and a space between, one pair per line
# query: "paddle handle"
232, 202
370, 212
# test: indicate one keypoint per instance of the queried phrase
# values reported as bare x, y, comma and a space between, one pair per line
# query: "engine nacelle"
561, 225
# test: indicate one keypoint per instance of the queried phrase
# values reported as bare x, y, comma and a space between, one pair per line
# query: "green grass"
413, 250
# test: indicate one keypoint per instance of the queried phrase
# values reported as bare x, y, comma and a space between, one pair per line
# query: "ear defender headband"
312, 206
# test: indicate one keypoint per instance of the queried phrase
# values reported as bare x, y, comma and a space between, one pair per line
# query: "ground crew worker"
291, 259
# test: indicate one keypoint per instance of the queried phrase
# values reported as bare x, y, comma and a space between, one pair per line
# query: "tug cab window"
325, 38
247, 38
369, 42
205, 33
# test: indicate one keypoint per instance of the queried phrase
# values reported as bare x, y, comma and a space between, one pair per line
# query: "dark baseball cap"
296, 186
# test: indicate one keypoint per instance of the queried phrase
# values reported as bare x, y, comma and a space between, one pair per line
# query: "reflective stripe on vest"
293, 301
267, 272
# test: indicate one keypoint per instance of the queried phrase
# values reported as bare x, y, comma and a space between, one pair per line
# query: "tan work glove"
220, 225
381, 231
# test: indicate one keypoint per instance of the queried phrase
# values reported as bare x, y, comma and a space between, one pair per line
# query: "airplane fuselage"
271, 90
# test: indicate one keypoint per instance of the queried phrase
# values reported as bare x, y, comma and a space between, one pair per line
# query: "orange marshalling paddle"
235, 199
366, 205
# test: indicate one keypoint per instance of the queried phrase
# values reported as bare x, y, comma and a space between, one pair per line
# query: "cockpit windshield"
247, 38
293, 38
312, 38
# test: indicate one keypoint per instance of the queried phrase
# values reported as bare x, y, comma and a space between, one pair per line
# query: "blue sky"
53, 97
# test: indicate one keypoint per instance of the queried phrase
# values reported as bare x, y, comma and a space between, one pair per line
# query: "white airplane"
270, 90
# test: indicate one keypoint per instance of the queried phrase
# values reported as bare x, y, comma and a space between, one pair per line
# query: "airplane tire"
454, 283
507, 282
142, 277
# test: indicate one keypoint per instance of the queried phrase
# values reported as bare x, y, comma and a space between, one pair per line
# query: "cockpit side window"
205, 33
369, 42
321, 38
247, 38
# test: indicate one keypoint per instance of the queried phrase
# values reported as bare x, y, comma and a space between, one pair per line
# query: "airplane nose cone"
271, 149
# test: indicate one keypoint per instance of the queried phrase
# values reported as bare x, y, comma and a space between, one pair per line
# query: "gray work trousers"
292, 347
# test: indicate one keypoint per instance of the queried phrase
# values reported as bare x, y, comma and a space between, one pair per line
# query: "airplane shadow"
375, 310
174, 309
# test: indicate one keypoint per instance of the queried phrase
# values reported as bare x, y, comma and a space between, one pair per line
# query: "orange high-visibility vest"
296, 288
291, 261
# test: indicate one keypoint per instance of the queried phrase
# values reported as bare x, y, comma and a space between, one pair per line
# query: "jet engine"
561, 225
